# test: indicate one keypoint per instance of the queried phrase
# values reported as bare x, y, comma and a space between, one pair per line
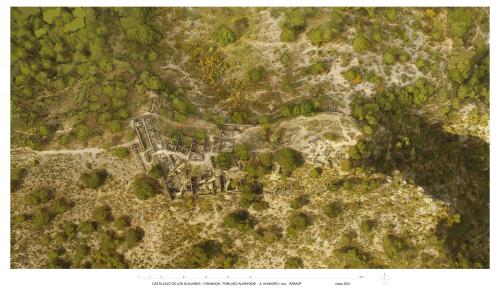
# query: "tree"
239, 219
297, 223
102, 214
289, 159
145, 187
294, 263
333, 209
94, 179
225, 35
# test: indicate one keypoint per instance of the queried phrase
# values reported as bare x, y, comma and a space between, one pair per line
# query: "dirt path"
93, 150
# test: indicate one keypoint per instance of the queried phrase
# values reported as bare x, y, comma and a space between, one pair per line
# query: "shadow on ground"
452, 168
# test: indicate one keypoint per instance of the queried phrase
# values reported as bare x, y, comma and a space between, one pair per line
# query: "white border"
127, 279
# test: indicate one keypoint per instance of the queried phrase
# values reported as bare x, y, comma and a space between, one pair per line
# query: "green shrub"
39, 196
225, 36
247, 198
368, 225
20, 218
70, 230
459, 66
333, 209
318, 68
61, 205
460, 20
269, 234
241, 152
82, 132
88, 227
224, 160
266, 159
41, 217
305, 107
297, 223
345, 165
334, 185
299, 201
239, 219
294, 263
145, 187
260, 205
156, 172
16, 178
94, 179
289, 159
256, 74
288, 34
331, 136
102, 215
202, 253
388, 58
122, 222
121, 152
320, 35
133, 236
295, 18
316, 172
360, 43
394, 246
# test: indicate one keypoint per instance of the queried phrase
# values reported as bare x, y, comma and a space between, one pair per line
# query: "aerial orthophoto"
250, 137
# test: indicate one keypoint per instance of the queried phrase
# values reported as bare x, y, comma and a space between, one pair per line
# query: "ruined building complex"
186, 163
